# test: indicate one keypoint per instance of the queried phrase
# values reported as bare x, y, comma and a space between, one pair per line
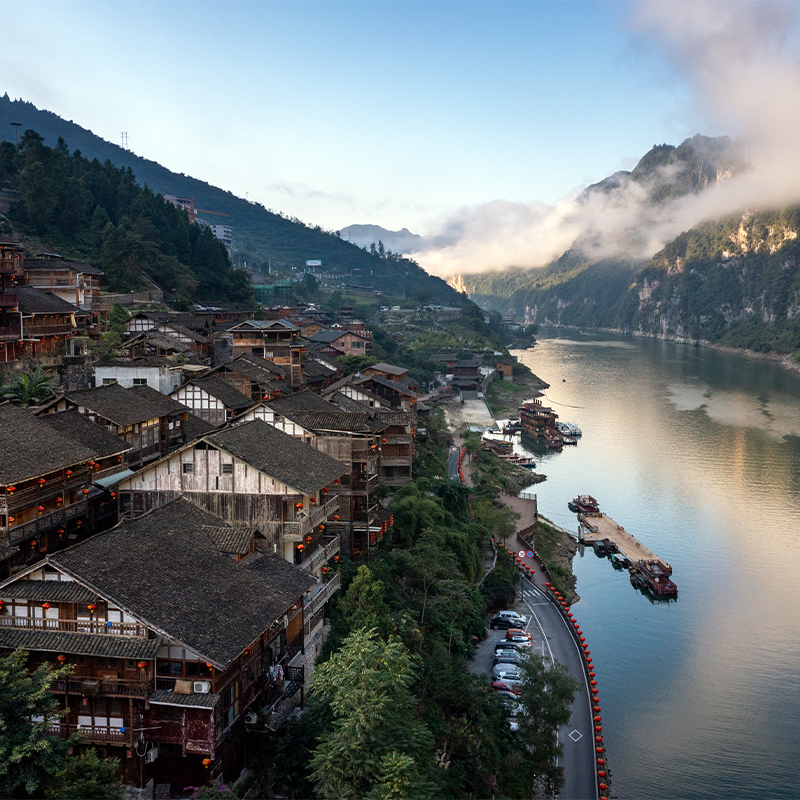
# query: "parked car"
513, 615
506, 651
506, 686
506, 695
502, 623
512, 632
511, 644
506, 672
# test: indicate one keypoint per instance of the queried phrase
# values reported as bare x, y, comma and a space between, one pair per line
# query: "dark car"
512, 661
502, 623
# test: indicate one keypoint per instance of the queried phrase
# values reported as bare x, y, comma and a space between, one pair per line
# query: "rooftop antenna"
16, 126
124, 140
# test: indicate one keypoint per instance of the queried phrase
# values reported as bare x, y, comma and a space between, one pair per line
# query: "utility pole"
16, 126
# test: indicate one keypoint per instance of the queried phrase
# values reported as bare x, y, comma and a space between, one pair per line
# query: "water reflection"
697, 453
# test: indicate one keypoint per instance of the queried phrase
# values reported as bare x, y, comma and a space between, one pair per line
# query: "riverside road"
553, 639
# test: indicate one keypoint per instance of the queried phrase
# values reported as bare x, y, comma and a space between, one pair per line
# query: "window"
227, 469
232, 704
140, 381
108, 381
188, 468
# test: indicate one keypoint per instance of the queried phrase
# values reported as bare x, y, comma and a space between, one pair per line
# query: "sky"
487, 118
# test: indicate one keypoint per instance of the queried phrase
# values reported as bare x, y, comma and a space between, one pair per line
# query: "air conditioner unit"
250, 718
202, 687
151, 755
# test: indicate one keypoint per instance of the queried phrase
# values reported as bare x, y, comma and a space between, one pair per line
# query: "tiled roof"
196, 428
224, 392
301, 401
166, 697
63, 264
32, 301
157, 339
230, 538
162, 570
126, 406
29, 447
389, 385
279, 455
316, 369
81, 429
176, 326
346, 403
50, 591
382, 366
328, 336
276, 570
85, 644
267, 324
344, 421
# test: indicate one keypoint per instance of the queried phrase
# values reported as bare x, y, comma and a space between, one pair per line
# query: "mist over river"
697, 454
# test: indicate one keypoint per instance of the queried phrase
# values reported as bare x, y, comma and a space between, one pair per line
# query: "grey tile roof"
164, 571
279, 455
50, 591
165, 697
344, 421
86, 644
390, 368
48, 264
230, 538
301, 401
126, 406
82, 430
196, 428
33, 301
157, 339
394, 385
328, 336
29, 447
276, 570
224, 392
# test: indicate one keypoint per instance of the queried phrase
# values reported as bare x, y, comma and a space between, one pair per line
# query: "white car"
513, 615
506, 672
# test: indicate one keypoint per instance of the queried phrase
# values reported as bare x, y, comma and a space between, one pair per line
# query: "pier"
597, 527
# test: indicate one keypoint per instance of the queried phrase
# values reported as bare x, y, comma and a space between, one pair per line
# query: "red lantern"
142, 664
301, 547
92, 607
12, 519
299, 505
45, 606
41, 481
206, 762
61, 659
11, 489
40, 509
336, 480
68, 473
336, 517
336, 558
313, 501
324, 569
326, 490
85, 492
59, 500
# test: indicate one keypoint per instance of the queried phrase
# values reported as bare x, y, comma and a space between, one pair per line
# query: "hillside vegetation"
733, 281
262, 236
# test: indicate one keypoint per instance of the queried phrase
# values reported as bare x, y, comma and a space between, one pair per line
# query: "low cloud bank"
744, 66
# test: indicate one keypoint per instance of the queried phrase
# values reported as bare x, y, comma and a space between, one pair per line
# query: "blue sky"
390, 113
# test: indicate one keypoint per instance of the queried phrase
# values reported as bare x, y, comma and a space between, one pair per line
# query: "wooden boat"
654, 576
569, 440
584, 504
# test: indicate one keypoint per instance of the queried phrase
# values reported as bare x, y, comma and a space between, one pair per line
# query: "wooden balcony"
321, 556
104, 735
8, 332
52, 329
75, 625
48, 521
297, 530
322, 596
54, 487
397, 461
103, 685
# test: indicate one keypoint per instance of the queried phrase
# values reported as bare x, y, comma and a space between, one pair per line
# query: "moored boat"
655, 576
584, 504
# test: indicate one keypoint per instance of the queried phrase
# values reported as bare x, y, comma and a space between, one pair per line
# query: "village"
171, 517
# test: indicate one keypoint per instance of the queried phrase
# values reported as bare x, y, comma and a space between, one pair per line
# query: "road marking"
575, 735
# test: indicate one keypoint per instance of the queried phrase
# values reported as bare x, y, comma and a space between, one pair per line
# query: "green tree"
376, 746
88, 776
29, 388
30, 757
547, 695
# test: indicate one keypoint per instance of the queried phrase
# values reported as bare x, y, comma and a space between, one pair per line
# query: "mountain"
402, 241
734, 281
262, 237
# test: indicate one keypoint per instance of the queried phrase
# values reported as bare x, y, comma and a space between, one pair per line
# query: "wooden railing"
54, 487
46, 521
103, 685
322, 596
322, 555
295, 531
75, 625
91, 733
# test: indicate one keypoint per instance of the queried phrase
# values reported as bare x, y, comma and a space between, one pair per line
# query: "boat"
568, 429
584, 504
569, 440
554, 442
524, 461
654, 576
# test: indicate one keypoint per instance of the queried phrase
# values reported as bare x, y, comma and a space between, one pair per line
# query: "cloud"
743, 62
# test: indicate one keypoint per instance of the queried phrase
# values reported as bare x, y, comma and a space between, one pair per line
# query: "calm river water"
697, 453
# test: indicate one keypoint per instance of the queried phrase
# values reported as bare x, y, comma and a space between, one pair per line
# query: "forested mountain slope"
733, 281
261, 236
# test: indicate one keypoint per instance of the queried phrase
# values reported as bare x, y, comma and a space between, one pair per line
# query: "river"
697, 453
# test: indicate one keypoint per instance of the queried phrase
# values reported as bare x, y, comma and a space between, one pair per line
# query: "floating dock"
598, 527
